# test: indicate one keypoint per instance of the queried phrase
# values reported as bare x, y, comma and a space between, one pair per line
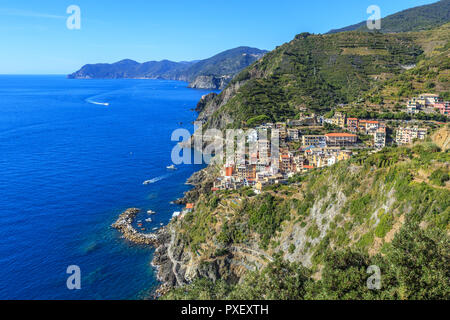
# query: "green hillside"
229, 62
316, 72
415, 19
432, 73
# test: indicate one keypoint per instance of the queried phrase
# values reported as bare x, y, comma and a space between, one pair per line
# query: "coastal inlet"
125, 225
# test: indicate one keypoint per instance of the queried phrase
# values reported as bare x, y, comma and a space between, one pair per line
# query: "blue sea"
69, 167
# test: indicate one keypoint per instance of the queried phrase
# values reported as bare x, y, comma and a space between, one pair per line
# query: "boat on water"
99, 103
148, 220
171, 167
155, 229
151, 212
147, 182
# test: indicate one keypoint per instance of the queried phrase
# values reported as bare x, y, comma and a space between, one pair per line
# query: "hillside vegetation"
315, 73
414, 19
316, 237
431, 74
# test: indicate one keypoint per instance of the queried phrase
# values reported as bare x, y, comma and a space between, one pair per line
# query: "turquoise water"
69, 167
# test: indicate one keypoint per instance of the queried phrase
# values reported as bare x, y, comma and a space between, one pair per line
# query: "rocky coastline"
124, 224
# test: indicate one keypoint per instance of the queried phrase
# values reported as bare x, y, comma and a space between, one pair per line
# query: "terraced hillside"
315, 73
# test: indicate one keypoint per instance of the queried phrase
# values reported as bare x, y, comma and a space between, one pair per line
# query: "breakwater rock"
125, 225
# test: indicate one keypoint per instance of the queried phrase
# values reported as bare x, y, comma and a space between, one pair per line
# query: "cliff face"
210, 82
362, 203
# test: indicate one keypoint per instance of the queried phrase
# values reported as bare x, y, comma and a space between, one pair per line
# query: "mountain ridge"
413, 19
211, 73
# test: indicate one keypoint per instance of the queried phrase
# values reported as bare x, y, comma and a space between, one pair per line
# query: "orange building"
228, 171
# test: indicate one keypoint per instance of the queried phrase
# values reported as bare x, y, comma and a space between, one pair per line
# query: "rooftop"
340, 135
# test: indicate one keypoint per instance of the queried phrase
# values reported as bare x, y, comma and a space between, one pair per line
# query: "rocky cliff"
208, 82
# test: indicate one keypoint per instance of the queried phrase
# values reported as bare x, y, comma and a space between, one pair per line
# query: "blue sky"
35, 39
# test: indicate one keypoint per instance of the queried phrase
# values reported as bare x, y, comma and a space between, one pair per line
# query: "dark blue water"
69, 167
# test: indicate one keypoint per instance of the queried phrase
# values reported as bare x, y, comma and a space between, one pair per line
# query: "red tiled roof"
308, 167
189, 206
369, 121
340, 135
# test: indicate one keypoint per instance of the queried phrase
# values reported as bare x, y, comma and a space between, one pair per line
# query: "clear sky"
35, 40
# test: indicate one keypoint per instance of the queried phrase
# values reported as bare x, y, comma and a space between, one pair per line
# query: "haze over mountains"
212, 73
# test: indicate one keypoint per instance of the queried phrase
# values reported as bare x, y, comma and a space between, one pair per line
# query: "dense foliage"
414, 267
316, 72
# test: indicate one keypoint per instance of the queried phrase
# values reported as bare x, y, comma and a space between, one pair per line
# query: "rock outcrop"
442, 138
124, 225
204, 101
210, 82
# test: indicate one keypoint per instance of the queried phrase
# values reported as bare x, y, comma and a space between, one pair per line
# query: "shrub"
439, 177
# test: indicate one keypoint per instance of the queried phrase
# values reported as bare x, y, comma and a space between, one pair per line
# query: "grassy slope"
415, 19
431, 73
317, 72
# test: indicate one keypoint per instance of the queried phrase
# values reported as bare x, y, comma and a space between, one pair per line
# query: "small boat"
99, 103
143, 229
147, 182
148, 220
171, 167
151, 212
155, 229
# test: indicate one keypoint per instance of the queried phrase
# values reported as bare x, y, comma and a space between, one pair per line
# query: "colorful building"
341, 139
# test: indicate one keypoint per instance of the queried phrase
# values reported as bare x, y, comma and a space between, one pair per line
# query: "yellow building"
339, 119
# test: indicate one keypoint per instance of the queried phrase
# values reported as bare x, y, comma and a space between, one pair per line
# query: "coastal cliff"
210, 82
